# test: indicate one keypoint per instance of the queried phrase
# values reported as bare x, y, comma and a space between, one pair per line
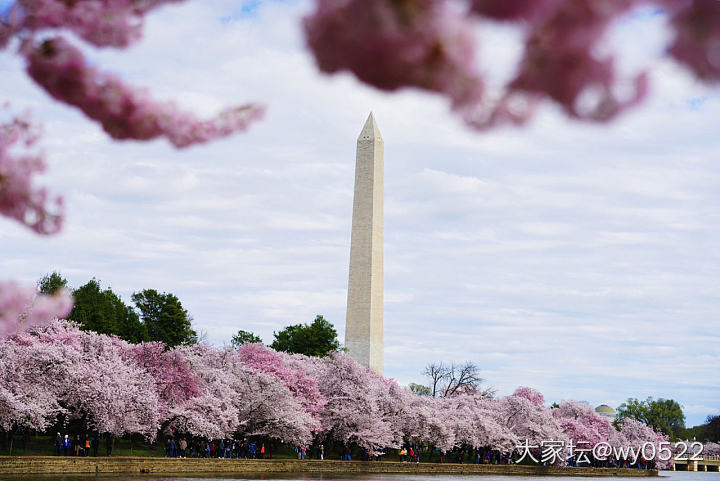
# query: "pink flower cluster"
103, 23
22, 308
124, 112
391, 44
19, 199
429, 44
61, 69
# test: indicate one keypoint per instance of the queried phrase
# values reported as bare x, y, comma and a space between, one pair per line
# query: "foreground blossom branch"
19, 198
22, 308
123, 112
429, 44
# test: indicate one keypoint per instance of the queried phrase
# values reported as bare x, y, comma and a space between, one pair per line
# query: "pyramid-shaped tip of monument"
370, 131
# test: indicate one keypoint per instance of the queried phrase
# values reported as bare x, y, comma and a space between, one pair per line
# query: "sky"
582, 260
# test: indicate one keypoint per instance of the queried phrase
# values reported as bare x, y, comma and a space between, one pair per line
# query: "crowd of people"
222, 448
87, 445
80, 445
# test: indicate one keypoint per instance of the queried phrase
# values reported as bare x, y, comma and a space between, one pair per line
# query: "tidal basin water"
665, 476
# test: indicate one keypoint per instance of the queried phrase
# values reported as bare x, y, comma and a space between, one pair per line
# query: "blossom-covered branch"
22, 308
19, 198
430, 44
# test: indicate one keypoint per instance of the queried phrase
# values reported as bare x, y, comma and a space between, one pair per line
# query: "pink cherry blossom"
580, 422
123, 112
634, 434
421, 43
251, 402
32, 378
281, 366
174, 381
696, 44
531, 395
19, 198
354, 413
22, 307
515, 10
116, 23
60, 370
711, 449
525, 416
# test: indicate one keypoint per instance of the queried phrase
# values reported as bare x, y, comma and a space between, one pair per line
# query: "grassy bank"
35, 465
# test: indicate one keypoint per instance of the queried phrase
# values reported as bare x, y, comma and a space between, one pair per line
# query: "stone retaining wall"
171, 466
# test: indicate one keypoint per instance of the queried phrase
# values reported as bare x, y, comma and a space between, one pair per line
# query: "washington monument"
364, 322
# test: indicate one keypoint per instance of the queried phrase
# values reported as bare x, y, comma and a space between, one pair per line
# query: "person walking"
321, 449
253, 450
87, 445
78, 445
183, 447
59, 444
66, 445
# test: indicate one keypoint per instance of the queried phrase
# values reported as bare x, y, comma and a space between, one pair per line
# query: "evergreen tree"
51, 283
104, 312
244, 337
164, 317
316, 339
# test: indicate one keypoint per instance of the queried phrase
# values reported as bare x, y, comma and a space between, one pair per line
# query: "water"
665, 476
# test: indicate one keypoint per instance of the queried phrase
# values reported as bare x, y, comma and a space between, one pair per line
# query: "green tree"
103, 311
664, 415
712, 428
50, 283
165, 318
316, 339
244, 337
419, 389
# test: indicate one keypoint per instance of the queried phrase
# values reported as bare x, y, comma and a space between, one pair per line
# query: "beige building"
606, 411
364, 322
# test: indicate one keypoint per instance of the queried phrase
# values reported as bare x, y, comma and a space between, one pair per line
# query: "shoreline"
40, 465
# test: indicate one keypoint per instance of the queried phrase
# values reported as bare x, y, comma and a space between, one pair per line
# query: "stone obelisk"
364, 322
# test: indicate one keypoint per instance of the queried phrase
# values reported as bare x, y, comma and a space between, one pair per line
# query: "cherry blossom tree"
711, 449
634, 434
32, 379
109, 394
479, 423
285, 367
60, 370
579, 422
58, 373
240, 399
174, 381
524, 414
353, 413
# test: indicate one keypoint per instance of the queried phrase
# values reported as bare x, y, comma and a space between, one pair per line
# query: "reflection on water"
667, 475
